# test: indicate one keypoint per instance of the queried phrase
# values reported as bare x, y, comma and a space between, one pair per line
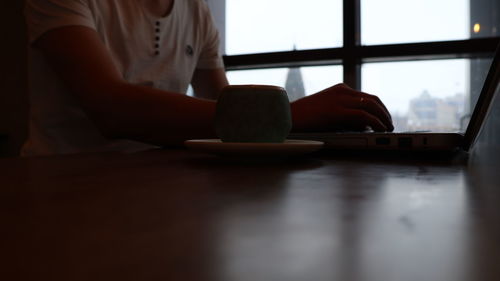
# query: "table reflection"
381, 226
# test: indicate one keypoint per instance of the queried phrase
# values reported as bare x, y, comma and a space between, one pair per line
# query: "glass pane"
281, 25
396, 21
427, 95
298, 82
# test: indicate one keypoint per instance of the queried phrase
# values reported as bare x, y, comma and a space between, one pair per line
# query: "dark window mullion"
470, 48
352, 38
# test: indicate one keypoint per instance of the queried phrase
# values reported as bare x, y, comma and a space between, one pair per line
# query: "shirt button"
157, 38
157, 23
189, 50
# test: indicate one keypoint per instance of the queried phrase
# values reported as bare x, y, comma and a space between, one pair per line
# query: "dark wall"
13, 82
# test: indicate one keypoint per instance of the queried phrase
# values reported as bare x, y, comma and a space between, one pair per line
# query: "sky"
287, 24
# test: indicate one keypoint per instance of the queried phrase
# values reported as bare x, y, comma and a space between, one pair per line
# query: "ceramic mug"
253, 113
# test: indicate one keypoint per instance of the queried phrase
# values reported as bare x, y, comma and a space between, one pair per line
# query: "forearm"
120, 109
151, 115
309, 115
302, 112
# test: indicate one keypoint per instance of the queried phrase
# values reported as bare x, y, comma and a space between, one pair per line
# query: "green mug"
253, 113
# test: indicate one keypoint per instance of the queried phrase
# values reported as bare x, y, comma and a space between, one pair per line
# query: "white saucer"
289, 147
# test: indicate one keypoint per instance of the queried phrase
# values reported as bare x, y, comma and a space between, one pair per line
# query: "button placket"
157, 38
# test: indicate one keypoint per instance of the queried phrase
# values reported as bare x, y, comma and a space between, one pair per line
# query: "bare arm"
120, 109
208, 83
123, 110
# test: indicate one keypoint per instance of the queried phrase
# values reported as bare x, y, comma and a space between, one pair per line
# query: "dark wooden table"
179, 215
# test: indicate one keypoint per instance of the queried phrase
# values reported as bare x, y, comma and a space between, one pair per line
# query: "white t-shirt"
161, 52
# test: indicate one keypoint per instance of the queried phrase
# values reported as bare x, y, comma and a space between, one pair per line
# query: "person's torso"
160, 52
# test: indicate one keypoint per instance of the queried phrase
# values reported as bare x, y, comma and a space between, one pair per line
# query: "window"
425, 95
282, 25
421, 57
298, 81
414, 21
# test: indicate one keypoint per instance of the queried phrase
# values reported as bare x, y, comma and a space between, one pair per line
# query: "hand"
340, 108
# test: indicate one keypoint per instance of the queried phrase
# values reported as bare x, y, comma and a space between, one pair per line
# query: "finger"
360, 119
379, 102
373, 107
358, 99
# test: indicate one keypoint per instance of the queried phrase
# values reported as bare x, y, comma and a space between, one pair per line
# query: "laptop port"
382, 141
405, 142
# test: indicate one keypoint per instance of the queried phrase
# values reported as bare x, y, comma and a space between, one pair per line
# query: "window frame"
352, 55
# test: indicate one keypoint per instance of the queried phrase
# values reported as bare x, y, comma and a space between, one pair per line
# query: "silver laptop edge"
483, 105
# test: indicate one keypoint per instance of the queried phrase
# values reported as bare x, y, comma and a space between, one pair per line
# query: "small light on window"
477, 28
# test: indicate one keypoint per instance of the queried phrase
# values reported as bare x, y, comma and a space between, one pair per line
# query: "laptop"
417, 141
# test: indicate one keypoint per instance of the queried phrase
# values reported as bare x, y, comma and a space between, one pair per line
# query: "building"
294, 84
429, 113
